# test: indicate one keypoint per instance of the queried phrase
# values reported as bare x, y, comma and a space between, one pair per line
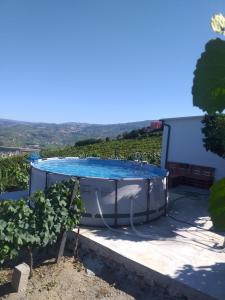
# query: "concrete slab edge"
150, 276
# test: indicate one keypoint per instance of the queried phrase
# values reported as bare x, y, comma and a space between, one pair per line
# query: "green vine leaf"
38, 221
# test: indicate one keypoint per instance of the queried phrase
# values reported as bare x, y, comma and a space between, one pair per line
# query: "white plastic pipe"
139, 234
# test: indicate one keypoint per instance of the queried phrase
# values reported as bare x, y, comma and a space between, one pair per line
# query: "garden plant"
14, 173
38, 221
209, 95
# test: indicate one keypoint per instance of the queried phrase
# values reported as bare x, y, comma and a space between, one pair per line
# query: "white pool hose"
138, 233
101, 214
100, 211
131, 220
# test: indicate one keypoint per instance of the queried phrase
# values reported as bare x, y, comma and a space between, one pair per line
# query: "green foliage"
38, 221
15, 224
88, 142
66, 203
153, 158
217, 204
140, 133
209, 95
14, 173
214, 132
148, 149
209, 78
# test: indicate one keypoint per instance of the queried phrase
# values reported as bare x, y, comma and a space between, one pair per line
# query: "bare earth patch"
70, 280
66, 280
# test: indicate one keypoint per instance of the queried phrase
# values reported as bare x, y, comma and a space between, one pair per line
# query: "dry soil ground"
69, 280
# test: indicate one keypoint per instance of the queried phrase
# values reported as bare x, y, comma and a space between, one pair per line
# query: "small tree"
209, 95
217, 205
209, 78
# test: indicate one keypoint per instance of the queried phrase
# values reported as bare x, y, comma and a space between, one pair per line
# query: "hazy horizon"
77, 122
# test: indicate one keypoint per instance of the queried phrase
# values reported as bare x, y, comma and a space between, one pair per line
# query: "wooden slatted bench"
188, 174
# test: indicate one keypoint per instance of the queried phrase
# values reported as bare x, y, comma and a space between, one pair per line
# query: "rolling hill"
27, 134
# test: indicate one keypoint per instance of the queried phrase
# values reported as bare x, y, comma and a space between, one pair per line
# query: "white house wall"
186, 145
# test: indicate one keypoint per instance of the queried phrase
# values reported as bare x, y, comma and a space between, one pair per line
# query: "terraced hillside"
148, 149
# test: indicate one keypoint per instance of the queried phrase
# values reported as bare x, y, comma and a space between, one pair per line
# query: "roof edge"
182, 118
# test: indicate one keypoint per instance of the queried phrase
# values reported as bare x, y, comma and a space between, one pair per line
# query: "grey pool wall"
114, 195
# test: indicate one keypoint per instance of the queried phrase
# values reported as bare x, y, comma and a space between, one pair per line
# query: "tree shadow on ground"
209, 278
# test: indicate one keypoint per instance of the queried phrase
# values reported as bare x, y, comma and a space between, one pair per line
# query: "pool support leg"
148, 199
166, 197
30, 172
116, 205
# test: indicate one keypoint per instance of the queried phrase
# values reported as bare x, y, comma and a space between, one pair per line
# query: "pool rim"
98, 158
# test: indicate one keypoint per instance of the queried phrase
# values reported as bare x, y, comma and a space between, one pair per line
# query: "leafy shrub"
38, 221
208, 85
88, 142
15, 226
14, 173
209, 95
217, 204
140, 133
214, 132
66, 203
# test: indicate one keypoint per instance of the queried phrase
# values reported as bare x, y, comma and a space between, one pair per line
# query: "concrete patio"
180, 254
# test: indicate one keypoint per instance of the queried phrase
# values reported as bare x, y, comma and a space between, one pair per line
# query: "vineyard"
14, 171
148, 149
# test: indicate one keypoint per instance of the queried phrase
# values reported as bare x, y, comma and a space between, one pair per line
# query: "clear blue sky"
101, 61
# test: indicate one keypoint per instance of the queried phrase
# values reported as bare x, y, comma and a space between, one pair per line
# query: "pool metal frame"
117, 215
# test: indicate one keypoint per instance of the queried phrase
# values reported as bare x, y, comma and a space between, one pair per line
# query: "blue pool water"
112, 169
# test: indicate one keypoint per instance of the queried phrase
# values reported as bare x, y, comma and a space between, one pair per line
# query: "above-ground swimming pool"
107, 188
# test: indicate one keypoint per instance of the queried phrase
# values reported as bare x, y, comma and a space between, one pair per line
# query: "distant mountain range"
29, 134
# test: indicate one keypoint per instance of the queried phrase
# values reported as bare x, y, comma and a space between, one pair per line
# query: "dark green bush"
87, 142
209, 95
217, 204
214, 132
14, 173
142, 133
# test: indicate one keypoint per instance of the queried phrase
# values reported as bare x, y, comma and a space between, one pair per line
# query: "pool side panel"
53, 178
135, 191
38, 180
114, 197
106, 196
